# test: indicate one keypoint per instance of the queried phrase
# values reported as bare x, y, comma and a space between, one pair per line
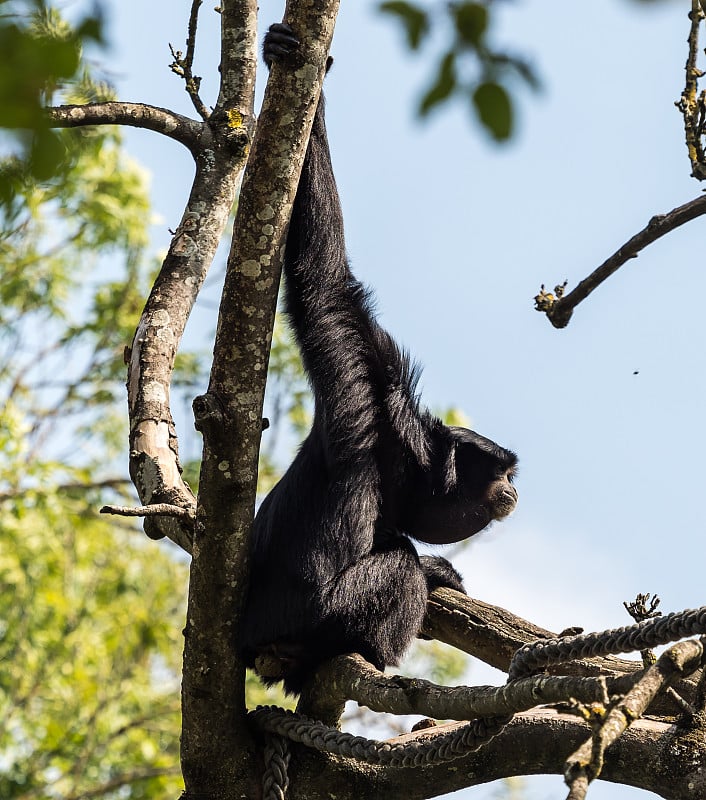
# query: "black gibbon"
334, 569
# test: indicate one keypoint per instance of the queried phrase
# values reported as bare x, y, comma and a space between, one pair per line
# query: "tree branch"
692, 104
350, 677
238, 56
137, 115
220, 156
559, 311
182, 66
117, 484
494, 634
650, 756
155, 510
585, 764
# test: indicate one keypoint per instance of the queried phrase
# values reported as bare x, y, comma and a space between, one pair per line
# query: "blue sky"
456, 235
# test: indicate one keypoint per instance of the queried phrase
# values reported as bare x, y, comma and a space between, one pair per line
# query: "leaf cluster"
89, 655
471, 68
74, 276
41, 54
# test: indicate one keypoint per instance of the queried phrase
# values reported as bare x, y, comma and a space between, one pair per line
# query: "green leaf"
494, 109
471, 21
415, 21
444, 85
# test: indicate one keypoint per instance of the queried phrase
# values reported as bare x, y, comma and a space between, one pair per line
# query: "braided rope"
298, 728
275, 779
284, 726
534, 657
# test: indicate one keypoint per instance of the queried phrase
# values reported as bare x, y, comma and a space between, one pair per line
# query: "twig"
585, 764
156, 510
182, 64
559, 311
692, 104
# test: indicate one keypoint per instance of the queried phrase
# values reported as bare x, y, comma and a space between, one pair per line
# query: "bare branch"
182, 65
156, 510
494, 634
586, 763
137, 115
559, 311
692, 104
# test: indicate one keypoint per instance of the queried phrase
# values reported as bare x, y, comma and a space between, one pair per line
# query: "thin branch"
137, 115
559, 311
182, 65
585, 765
156, 510
692, 104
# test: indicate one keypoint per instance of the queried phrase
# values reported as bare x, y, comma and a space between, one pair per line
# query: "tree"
217, 745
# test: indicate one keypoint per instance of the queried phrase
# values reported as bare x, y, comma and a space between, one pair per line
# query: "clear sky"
456, 235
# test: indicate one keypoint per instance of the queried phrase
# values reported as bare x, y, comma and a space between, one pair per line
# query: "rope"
284, 726
297, 728
534, 657
275, 780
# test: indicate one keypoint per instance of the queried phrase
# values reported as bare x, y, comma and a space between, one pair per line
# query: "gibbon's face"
473, 489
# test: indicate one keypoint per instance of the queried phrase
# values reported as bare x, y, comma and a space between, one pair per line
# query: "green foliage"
494, 108
438, 662
470, 68
471, 21
90, 612
90, 621
73, 266
453, 416
414, 20
443, 87
41, 52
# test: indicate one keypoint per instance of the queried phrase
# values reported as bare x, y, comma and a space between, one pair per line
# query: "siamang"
333, 567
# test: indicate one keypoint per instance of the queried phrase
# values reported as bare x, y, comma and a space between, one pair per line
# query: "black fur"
333, 567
